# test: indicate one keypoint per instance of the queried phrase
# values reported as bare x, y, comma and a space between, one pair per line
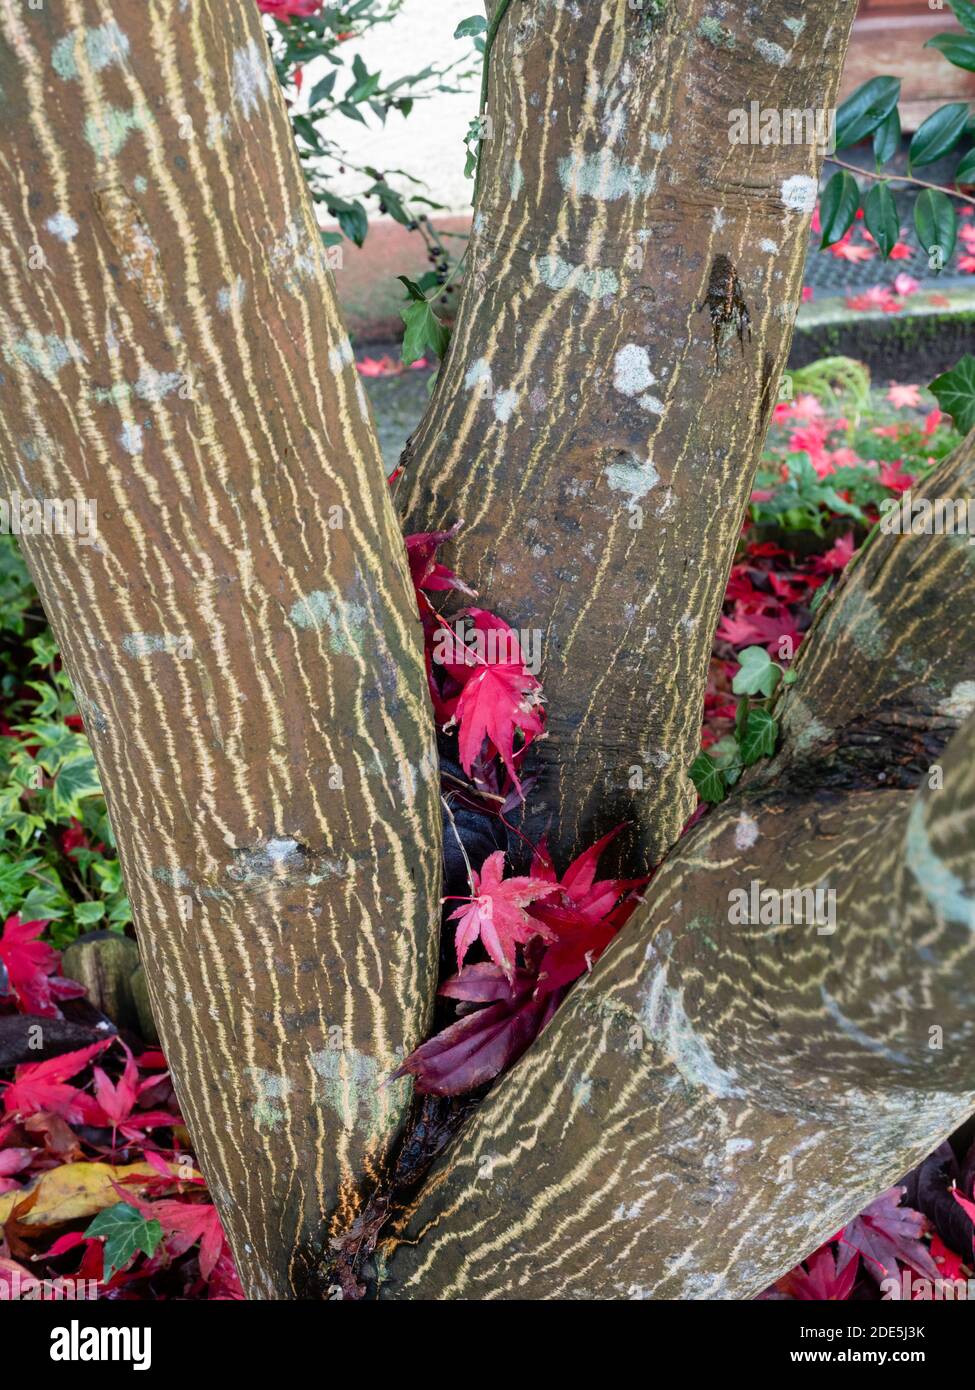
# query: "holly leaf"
125, 1232
759, 738
496, 914
954, 391
708, 778
757, 674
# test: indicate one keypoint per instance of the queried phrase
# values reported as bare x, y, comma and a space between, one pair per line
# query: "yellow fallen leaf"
76, 1190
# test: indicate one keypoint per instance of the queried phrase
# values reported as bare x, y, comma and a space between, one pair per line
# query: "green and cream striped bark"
596, 430
713, 1099
241, 634
718, 1097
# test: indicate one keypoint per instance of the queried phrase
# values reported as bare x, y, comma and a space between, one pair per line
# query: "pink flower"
905, 284
807, 409
290, 9
807, 294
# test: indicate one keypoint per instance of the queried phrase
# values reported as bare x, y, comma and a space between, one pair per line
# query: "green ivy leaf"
838, 206
865, 109
470, 28
125, 1232
708, 778
89, 912
77, 777
887, 138
880, 215
759, 739
936, 224
954, 391
758, 673
959, 49
938, 134
423, 330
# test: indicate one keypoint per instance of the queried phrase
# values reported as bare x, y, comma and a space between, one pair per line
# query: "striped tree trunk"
241, 637
714, 1098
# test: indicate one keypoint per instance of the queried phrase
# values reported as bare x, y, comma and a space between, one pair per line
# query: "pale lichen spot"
960, 703
478, 374
767, 244
345, 621
746, 831
602, 176
250, 80
799, 193
108, 131
771, 52
341, 356
131, 438
46, 354
173, 878
231, 296
665, 1022
352, 1086
516, 180
631, 370
63, 226
296, 257
631, 476
710, 30
103, 44
941, 886
557, 274
504, 405
269, 1109
154, 385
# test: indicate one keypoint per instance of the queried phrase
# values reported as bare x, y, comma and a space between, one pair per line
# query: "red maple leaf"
823, 1279
498, 696
496, 914
584, 917
884, 1233
184, 1223
44, 1086
968, 1208
507, 1017
117, 1101
425, 570
31, 968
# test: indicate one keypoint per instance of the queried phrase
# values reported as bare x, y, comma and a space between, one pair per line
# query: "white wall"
429, 143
